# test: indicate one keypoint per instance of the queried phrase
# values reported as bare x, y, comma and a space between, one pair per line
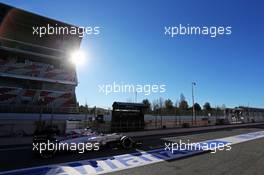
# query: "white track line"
122, 162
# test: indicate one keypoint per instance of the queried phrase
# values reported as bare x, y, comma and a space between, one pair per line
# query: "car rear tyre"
126, 142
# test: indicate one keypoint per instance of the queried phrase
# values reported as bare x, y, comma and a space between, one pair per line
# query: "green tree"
147, 104
155, 105
197, 107
183, 104
168, 104
207, 106
182, 97
83, 109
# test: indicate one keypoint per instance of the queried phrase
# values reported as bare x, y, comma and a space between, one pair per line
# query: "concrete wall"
16, 124
23, 123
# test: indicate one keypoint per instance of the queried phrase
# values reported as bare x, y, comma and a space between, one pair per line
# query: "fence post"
156, 122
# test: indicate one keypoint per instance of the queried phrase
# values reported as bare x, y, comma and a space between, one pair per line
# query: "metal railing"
35, 109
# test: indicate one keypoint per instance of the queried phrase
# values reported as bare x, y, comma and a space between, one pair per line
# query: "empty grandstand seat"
8, 94
36, 70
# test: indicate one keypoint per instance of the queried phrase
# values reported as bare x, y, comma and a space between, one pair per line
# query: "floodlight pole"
194, 115
136, 96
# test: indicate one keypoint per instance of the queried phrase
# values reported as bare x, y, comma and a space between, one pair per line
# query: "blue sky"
132, 48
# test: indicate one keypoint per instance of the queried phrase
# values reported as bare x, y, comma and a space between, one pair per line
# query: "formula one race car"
46, 144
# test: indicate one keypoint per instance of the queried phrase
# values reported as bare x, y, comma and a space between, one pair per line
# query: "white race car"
46, 144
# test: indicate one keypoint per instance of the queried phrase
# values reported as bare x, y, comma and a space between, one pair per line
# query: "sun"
78, 58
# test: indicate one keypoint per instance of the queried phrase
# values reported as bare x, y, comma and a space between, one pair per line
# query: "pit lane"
22, 158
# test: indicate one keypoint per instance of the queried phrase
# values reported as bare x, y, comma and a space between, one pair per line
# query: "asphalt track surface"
244, 158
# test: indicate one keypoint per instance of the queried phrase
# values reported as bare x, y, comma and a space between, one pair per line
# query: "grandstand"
35, 73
